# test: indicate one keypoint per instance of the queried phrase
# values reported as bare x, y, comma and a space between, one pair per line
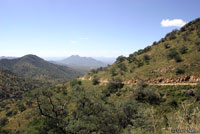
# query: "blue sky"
109, 28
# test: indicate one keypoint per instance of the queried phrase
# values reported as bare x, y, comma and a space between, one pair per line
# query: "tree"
95, 81
120, 59
114, 85
122, 67
146, 57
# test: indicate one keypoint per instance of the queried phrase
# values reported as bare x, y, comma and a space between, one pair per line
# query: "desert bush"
146, 57
95, 81
172, 54
180, 70
3, 121
120, 59
198, 48
114, 85
146, 49
75, 82
113, 71
178, 58
197, 92
146, 94
183, 50
166, 45
122, 67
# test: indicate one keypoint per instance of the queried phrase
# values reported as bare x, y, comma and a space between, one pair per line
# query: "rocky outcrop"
182, 79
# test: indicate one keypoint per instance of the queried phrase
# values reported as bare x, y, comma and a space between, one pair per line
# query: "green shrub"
75, 82
198, 48
122, 67
172, 54
178, 58
9, 113
146, 49
21, 107
183, 50
114, 85
113, 71
197, 43
173, 104
132, 68
180, 70
146, 57
166, 46
3, 121
197, 92
120, 59
140, 63
95, 81
145, 94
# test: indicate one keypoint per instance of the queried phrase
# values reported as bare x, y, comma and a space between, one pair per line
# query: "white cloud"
173, 23
84, 38
74, 41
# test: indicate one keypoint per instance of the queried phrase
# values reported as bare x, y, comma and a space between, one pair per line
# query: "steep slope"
11, 86
33, 67
173, 59
84, 64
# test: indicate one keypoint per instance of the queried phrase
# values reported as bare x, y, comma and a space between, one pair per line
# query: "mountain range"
34, 67
83, 64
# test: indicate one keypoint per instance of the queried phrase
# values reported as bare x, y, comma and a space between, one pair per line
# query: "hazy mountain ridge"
82, 64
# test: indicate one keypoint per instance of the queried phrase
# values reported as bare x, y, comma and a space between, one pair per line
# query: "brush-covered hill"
12, 86
173, 59
33, 67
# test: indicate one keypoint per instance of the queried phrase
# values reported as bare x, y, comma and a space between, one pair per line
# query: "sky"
95, 28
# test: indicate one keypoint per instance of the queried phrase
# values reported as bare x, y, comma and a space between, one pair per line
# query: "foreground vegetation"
81, 107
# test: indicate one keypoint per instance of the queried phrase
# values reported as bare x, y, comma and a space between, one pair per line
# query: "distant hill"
33, 67
84, 64
7, 57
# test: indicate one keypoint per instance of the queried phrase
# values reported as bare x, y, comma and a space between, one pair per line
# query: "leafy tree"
122, 67
114, 85
120, 59
113, 71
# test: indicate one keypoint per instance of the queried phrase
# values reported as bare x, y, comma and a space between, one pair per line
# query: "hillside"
84, 64
173, 59
33, 67
11, 86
